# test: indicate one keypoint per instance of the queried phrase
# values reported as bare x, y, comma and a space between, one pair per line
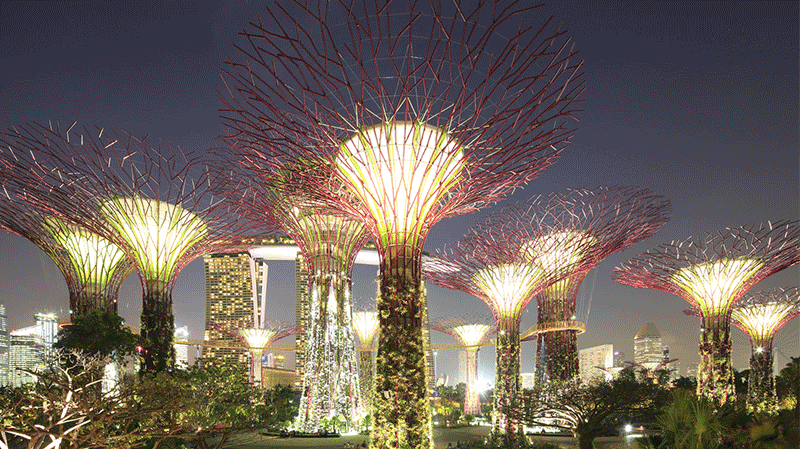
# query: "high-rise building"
596, 363
26, 352
47, 328
670, 365
301, 319
228, 300
4, 347
619, 359
647, 347
181, 350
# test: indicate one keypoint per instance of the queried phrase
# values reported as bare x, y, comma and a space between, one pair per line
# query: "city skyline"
696, 104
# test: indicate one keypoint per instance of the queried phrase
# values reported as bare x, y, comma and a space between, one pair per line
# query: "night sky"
697, 101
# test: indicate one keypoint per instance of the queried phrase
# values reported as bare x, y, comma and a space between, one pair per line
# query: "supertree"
471, 332
93, 267
329, 242
760, 315
712, 273
257, 339
491, 263
365, 324
151, 200
605, 220
423, 112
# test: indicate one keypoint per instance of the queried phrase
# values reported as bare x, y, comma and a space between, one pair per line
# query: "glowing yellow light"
560, 250
762, 320
257, 338
472, 334
93, 257
714, 285
159, 232
400, 171
366, 326
507, 286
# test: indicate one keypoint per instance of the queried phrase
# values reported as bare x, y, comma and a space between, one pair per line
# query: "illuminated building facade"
302, 311
4, 347
596, 363
26, 352
228, 299
181, 350
648, 350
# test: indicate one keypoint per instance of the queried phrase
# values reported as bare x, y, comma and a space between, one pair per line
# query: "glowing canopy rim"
365, 325
761, 321
257, 338
158, 232
400, 170
472, 334
93, 257
507, 286
715, 284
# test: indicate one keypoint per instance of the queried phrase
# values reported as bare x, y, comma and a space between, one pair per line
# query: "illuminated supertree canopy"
760, 315
152, 201
592, 224
712, 273
256, 340
329, 242
470, 332
423, 112
93, 267
491, 262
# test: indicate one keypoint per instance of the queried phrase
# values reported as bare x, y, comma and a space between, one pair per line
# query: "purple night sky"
695, 101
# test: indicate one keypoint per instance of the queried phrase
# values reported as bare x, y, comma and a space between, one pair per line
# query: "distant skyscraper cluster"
25, 349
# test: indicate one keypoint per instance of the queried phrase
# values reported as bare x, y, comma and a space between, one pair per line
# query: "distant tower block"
152, 201
420, 120
470, 332
712, 273
593, 224
648, 350
760, 316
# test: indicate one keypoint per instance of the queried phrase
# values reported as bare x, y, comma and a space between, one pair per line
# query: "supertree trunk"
366, 376
561, 354
402, 416
472, 402
715, 372
90, 300
331, 385
557, 306
761, 396
255, 367
507, 418
157, 327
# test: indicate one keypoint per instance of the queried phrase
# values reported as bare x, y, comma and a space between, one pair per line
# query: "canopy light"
257, 338
714, 285
366, 326
401, 170
472, 334
160, 233
507, 285
94, 258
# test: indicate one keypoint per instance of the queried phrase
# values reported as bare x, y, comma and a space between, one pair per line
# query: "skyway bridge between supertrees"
421, 112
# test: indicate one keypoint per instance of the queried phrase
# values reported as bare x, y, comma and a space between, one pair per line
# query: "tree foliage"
98, 333
594, 409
